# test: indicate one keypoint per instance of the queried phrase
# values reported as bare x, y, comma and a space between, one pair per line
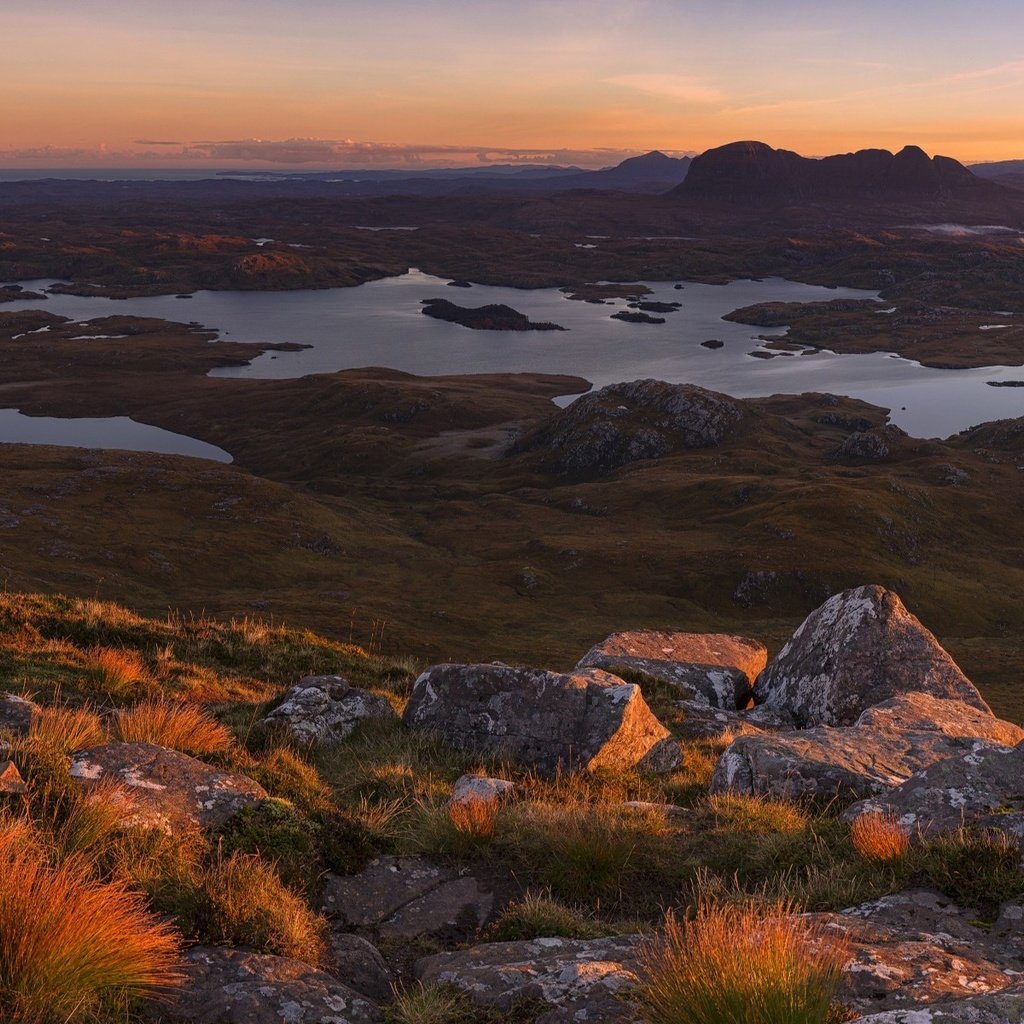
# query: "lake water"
380, 324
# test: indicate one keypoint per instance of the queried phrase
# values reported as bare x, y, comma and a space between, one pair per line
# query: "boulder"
235, 986
163, 788
10, 778
981, 786
551, 722
474, 788
714, 668
701, 721
886, 745
581, 979
17, 714
859, 648
1001, 1008
357, 963
326, 709
405, 898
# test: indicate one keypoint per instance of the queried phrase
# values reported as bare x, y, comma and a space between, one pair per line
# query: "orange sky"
397, 82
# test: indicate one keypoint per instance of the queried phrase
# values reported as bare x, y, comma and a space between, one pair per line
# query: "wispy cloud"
681, 88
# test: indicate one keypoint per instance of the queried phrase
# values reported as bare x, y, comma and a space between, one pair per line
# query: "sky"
410, 83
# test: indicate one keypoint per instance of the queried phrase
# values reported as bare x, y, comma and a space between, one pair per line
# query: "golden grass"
68, 729
175, 724
744, 813
115, 669
69, 943
741, 964
475, 817
879, 837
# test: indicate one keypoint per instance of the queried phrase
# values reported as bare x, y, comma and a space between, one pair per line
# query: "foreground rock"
470, 789
234, 986
327, 709
983, 787
357, 963
582, 979
551, 722
164, 788
859, 648
10, 778
624, 423
407, 898
885, 747
712, 668
1002, 1008
17, 714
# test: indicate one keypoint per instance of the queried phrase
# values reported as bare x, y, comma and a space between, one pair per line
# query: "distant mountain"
1002, 172
753, 171
652, 172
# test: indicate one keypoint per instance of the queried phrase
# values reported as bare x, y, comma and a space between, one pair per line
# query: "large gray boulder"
581, 979
859, 648
983, 786
580, 721
165, 789
715, 669
886, 745
236, 986
327, 709
1001, 1008
17, 714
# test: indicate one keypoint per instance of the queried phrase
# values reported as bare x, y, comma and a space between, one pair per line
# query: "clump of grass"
175, 724
284, 772
68, 729
539, 915
879, 838
73, 822
741, 964
279, 833
444, 1004
69, 943
475, 818
756, 814
115, 670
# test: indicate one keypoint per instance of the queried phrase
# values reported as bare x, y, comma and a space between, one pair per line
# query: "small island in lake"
493, 317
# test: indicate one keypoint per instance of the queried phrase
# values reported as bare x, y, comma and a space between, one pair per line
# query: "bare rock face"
358, 964
581, 979
641, 419
981, 787
858, 649
873, 445
577, 722
164, 788
326, 709
17, 714
714, 668
1001, 1008
886, 745
235, 986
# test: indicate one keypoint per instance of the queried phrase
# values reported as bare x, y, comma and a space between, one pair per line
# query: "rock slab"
327, 709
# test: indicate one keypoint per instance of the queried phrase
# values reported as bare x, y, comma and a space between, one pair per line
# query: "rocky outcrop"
711, 668
873, 445
161, 788
495, 317
17, 714
551, 722
1001, 1008
235, 986
858, 649
357, 963
624, 423
979, 787
582, 979
326, 709
885, 747
632, 317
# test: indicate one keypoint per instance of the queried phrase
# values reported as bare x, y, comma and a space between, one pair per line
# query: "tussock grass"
115, 670
539, 915
70, 943
741, 964
68, 729
757, 814
879, 837
474, 818
175, 724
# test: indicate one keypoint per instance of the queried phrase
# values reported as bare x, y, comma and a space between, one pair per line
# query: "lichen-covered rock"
17, 714
884, 747
582, 979
872, 445
163, 788
982, 786
1000, 1008
713, 668
581, 721
10, 778
700, 721
357, 963
859, 648
641, 419
326, 709
473, 788
235, 986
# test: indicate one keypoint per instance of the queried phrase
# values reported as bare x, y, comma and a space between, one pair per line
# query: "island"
493, 317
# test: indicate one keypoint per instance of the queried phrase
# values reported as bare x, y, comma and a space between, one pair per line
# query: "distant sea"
109, 173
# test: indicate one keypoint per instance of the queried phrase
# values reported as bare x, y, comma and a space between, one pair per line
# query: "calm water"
380, 324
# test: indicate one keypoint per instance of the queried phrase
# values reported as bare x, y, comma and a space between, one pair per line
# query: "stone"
327, 709
581, 979
357, 963
473, 788
161, 788
982, 787
580, 721
884, 748
10, 778
714, 668
872, 445
701, 721
456, 908
663, 758
858, 649
235, 986
1000, 1008
17, 714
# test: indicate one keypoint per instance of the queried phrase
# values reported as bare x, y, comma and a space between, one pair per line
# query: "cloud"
155, 142
681, 88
